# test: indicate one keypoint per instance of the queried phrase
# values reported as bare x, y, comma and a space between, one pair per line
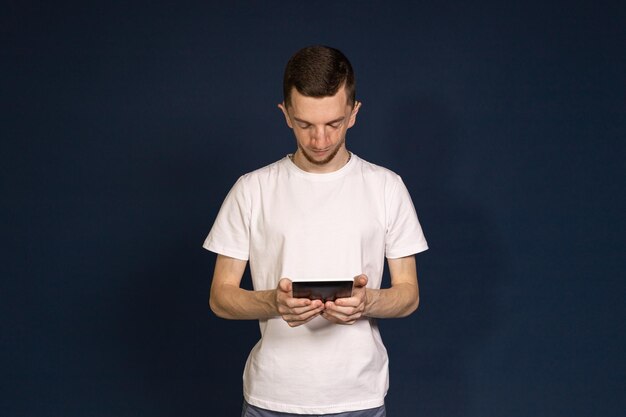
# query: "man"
317, 214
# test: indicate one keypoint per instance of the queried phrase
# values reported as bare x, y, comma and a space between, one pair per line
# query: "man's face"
320, 126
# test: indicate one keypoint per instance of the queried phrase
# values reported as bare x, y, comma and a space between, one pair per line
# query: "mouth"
320, 151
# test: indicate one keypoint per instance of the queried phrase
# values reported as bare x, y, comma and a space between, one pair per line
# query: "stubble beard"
326, 160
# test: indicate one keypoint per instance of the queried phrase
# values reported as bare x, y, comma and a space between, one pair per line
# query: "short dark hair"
318, 71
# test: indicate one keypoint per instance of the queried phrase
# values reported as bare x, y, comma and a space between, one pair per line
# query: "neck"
302, 161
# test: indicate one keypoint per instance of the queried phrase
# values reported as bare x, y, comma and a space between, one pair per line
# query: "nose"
318, 133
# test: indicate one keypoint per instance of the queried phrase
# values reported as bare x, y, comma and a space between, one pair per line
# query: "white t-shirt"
303, 226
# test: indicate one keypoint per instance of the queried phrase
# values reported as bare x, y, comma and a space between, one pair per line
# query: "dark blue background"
124, 126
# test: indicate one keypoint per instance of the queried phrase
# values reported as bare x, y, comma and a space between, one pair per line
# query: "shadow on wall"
431, 351
183, 358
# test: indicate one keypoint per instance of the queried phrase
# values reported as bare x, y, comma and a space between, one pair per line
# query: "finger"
307, 315
297, 302
337, 310
343, 311
303, 317
288, 304
300, 323
340, 318
294, 307
354, 301
302, 302
296, 310
347, 301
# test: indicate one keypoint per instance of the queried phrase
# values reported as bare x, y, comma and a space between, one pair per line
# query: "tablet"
322, 290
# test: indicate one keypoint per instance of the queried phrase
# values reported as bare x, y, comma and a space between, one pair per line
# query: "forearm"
235, 303
400, 300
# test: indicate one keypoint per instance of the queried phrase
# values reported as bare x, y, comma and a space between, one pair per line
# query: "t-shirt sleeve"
404, 235
230, 234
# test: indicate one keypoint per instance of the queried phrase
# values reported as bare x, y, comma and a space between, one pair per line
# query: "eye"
304, 125
335, 125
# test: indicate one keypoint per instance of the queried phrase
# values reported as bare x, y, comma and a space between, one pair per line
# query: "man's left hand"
349, 309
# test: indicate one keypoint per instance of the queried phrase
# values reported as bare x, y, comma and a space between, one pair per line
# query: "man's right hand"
295, 311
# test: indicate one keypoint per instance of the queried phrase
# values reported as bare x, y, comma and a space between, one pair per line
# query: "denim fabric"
252, 411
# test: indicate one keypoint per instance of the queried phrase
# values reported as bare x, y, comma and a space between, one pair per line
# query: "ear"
283, 108
355, 110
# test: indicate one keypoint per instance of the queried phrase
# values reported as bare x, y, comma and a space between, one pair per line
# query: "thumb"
284, 285
360, 280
